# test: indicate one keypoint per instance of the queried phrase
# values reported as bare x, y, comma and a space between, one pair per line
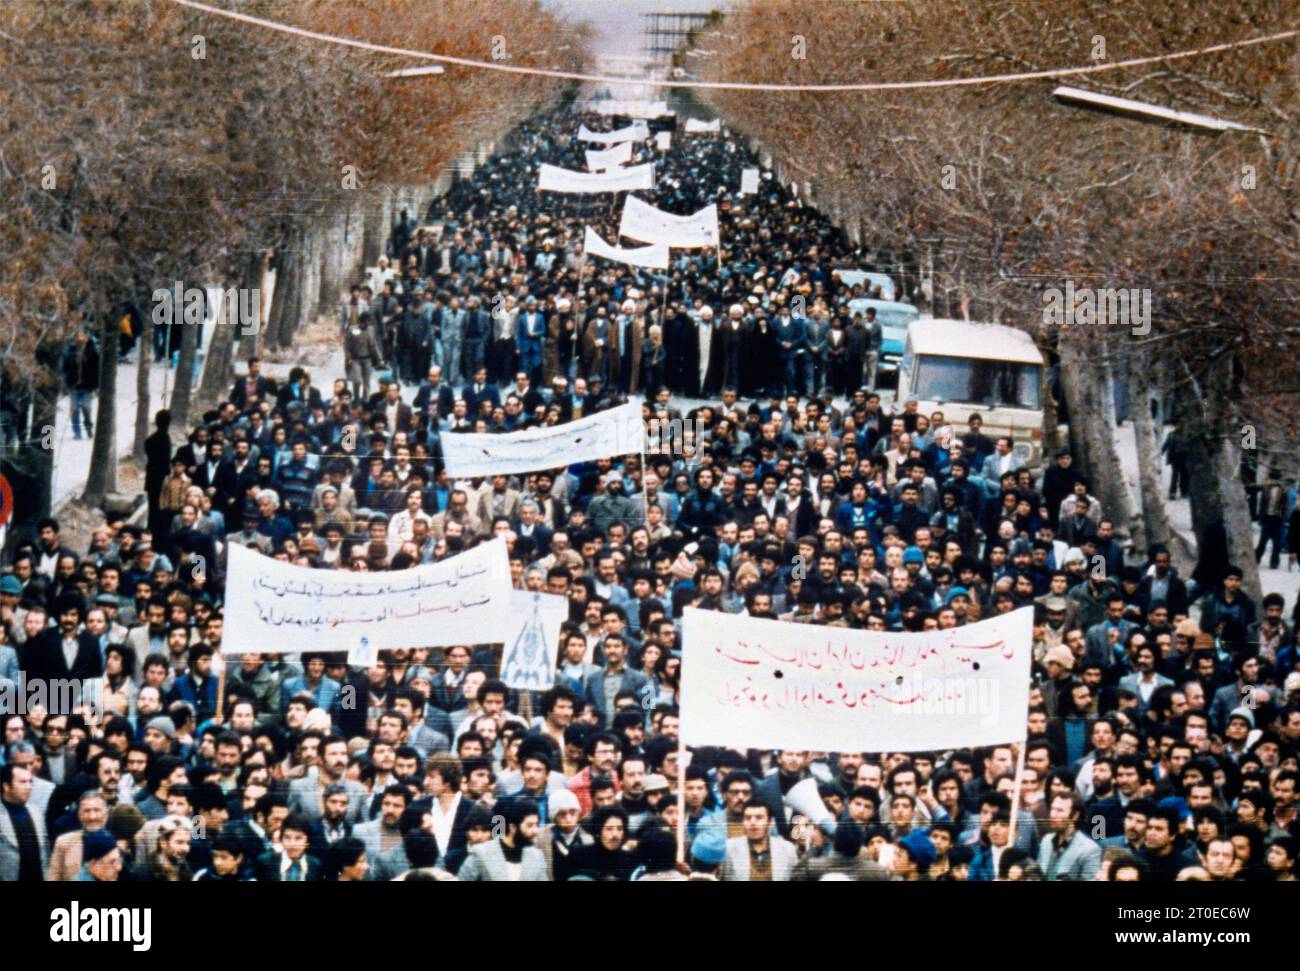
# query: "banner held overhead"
552, 178
654, 257
755, 683
617, 431
638, 132
650, 225
274, 607
600, 160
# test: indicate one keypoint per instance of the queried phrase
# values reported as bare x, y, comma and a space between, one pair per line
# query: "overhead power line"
736, 85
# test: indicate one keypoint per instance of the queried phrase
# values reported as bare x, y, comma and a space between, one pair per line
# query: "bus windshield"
964, 380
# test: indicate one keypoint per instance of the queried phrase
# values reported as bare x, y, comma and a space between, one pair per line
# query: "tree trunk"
183, 391
142, 402
218, 371
287, 285
1215, 491
1155, 518
1236, 514
335, 268
1051, 417
257, 276
374, 228
309, 297
102, 477
1075, 385
38, 442
1110, 485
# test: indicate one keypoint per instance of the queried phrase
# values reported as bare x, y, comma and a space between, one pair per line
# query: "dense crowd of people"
1164, 723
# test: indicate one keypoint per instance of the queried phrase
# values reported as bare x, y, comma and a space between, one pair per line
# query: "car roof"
960, 338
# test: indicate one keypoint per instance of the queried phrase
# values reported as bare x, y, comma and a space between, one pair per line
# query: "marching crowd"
1164, 720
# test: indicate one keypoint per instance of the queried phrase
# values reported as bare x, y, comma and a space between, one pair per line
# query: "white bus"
959, 368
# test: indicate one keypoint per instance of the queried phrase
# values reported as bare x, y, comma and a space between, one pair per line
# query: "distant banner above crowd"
748, 182
756, 683
272, 606
630, 179
532, 650
650, 225
618, 431
601, 159
633, 109
697, 125
654, 256
638, 132
663, 140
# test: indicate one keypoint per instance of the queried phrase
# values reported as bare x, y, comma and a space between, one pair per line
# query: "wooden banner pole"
1015, 792
683, 759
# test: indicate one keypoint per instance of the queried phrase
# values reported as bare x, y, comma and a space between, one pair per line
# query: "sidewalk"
1180, 519
72, 457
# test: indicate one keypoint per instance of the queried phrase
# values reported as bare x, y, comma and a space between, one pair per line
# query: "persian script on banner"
272, 606
600, 160
638, 132
653, 256
552, 178
617, 431
650, 225
755, 683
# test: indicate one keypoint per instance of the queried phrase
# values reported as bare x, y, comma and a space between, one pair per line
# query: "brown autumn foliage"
132, 153
1017, 192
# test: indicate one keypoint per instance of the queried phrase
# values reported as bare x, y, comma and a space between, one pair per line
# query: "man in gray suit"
9, 664
1114, 630
1065, 853
1002, 461
603, 686
1146, 679
454, 319
24, 755
24, 846
759, 855
511, 857
305, 793
383, 833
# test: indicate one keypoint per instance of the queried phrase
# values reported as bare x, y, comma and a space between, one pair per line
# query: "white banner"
532, 650
698, 125
755, 683
600, 159
618, 431
654, 256
633, 109
748, 182
663, 140
650, 225
552, 178
273, 606
638, 132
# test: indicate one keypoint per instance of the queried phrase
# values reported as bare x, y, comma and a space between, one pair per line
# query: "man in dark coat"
61, 653
158, 463
81, 374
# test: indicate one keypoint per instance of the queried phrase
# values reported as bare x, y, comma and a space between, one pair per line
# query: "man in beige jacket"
65, 857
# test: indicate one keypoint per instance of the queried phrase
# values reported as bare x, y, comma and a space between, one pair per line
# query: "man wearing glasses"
737, 790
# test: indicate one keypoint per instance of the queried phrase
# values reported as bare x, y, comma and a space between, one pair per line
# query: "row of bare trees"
143, 142
1012, 192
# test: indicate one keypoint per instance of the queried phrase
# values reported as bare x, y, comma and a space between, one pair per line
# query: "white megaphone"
804, 799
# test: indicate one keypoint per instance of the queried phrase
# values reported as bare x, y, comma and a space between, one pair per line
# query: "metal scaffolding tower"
665, 33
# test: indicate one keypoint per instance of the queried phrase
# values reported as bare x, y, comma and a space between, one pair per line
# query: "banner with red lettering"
755, 683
